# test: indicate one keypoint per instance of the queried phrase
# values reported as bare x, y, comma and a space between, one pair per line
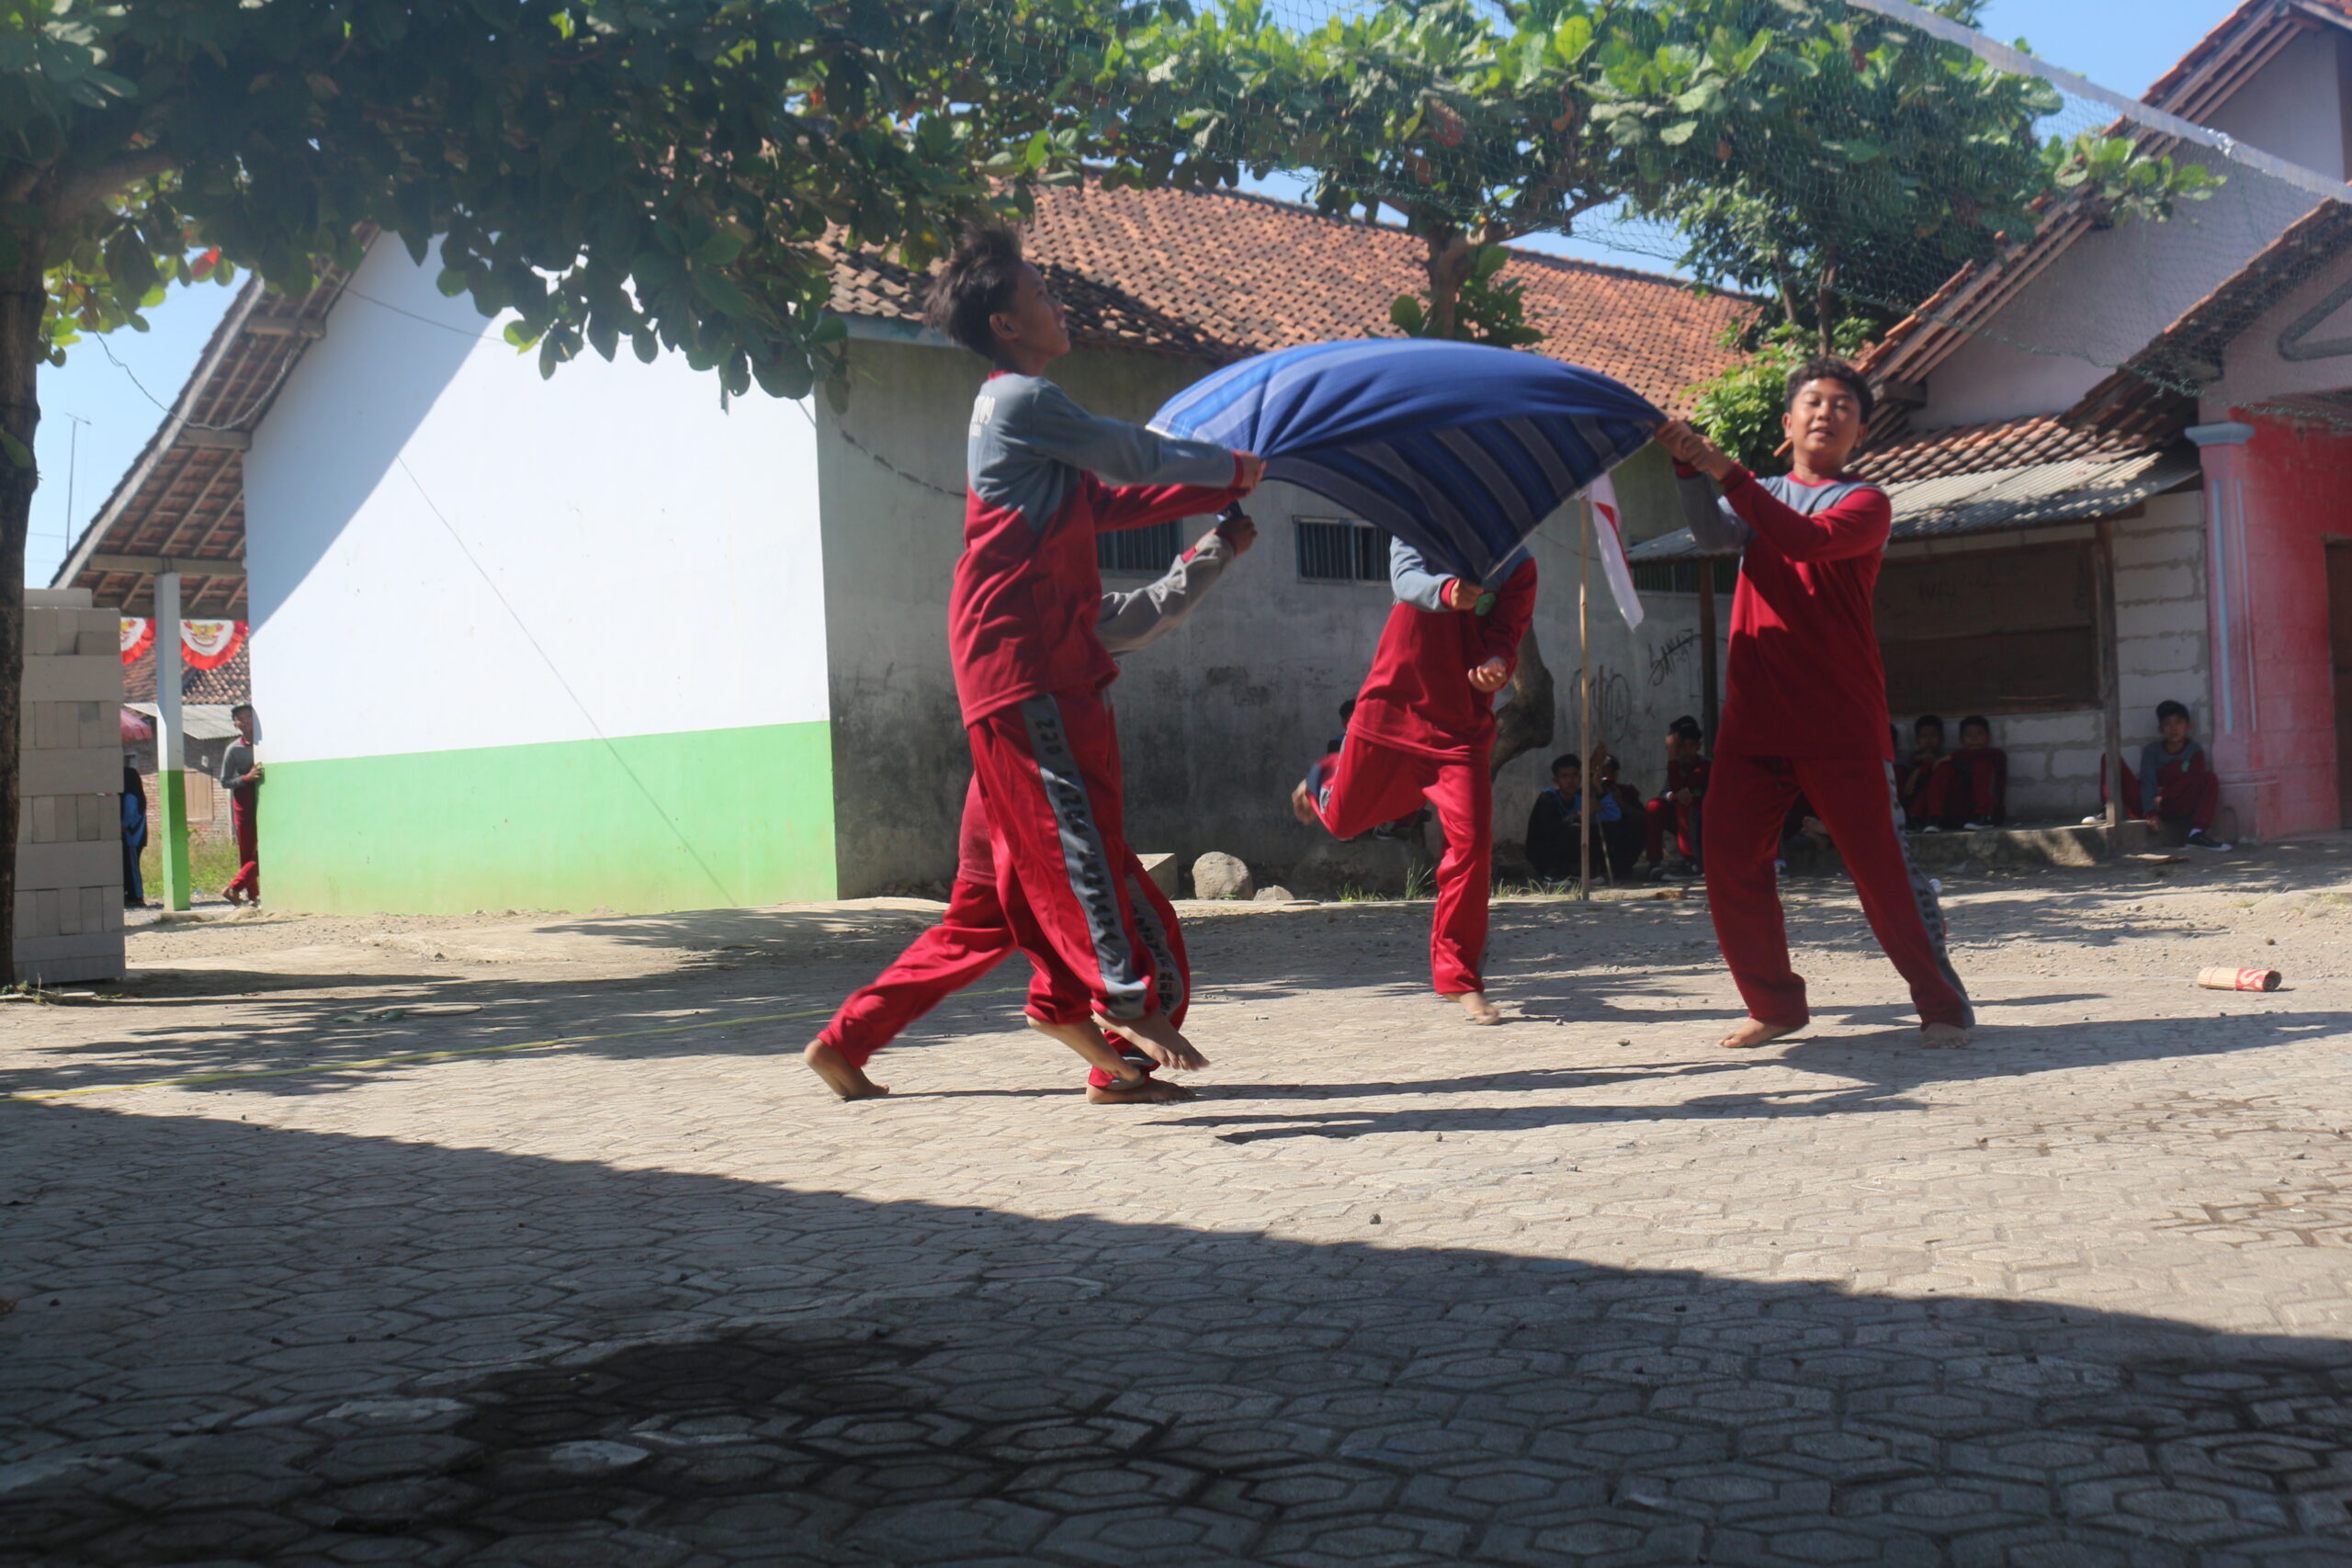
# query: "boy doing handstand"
1030, 668
1804, 706
1423, 728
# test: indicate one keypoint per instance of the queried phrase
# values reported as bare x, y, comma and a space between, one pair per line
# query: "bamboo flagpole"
1584, 720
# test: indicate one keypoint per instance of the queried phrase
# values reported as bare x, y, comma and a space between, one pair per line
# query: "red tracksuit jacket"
1804, 678
1027, 593
1417, 697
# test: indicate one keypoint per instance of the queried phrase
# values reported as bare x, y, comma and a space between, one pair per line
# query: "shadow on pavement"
339, 1349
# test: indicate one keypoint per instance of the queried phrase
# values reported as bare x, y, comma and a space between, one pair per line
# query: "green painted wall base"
171, 817
702, 820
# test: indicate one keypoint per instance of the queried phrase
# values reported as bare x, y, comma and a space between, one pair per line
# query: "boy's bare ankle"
1475, 1007
1754, 1031
1087, 1042
1942, 1036
840, 1075
1157, 1038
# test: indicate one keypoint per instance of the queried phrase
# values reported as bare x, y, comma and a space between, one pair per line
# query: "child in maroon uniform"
1678, 808
1030, 667
1972, 787
973, 936
2176, 782
1423, 728
1805, 706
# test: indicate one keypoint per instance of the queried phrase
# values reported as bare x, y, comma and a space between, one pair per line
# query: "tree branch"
78, 193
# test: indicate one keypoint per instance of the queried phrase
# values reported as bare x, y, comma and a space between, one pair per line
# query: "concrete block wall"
69, 836
2161, 646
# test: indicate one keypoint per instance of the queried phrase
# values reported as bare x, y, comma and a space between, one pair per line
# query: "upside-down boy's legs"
1746, 803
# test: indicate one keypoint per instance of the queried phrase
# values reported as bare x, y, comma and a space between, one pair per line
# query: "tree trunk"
1524, 721
23, 299
1451, 255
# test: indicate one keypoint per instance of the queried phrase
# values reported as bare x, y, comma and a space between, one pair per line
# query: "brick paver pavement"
1392, 1292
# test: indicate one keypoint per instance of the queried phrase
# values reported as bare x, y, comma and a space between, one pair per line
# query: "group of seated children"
1941, 791
1629, 834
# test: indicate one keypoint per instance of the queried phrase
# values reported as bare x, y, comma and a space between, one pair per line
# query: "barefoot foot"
1476, 1008
849, 1082
1301, 806
1087, 1042
1754, 1031
1149, 1091
1156, 1038
1942, 1036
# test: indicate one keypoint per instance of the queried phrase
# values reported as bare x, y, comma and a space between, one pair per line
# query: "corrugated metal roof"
2032, 497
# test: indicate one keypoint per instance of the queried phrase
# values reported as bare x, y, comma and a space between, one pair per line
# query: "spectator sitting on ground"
2183, 784
1913, 778
1620, 824
1971, 788
1679, 805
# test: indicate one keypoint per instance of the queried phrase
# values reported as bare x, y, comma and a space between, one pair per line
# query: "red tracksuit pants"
244, 814
1371, 784
974, 936
1747, 803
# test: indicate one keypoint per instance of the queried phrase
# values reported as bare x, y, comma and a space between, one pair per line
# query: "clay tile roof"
1220, 274
1981, 449
232, 683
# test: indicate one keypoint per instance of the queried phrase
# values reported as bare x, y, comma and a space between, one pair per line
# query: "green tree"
659, 173
1474, 126
1740, 406
1851, 164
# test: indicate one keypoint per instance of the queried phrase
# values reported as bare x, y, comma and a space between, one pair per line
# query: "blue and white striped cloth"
1458, 449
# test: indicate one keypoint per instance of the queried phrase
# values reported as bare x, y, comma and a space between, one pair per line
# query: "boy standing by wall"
1679, 808
1030, 668
1424, 729
1805, 706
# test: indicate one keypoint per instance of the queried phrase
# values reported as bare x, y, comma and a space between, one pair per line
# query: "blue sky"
2123, 44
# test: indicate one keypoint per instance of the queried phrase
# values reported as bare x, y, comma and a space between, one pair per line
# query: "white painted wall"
448, 552
2112, 292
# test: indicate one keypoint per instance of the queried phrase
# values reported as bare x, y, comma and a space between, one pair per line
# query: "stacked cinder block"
69, 836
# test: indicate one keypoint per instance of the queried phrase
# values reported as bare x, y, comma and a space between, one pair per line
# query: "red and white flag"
1609, 532
138, 637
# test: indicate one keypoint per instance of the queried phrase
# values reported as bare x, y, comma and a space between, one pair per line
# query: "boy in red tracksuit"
1681, 807
1423, 728
1805, 706
973, 935
2176, 782
1030, 668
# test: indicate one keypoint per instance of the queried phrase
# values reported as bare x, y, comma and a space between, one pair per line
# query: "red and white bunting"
138, 637
208, 645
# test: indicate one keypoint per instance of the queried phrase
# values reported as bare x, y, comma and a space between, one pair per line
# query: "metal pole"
1584, 722
171, 744
2110, 675
1708, 682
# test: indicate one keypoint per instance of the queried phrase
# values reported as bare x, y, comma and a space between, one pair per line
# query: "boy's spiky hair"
1826, 369
977, 282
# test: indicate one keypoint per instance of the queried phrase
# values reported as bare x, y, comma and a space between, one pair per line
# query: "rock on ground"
1220, 875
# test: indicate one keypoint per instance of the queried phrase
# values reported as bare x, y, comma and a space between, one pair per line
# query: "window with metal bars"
1682, 576
1138, 552
1338, 549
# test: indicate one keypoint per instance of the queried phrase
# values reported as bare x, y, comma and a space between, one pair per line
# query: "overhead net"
1869, 163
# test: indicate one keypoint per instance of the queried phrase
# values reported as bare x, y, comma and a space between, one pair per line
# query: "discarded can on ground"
2221, 977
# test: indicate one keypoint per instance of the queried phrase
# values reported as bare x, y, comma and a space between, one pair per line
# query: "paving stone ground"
310, 1268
